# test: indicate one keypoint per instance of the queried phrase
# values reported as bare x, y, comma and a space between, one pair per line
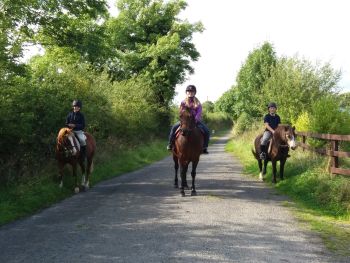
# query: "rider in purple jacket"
196, 109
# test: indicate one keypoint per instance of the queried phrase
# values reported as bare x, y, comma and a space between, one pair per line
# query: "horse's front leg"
265, 167
261, 176
84, 174
282, 163
193, 174
60, 174
274, 171
76, 188
183, 171
176, 166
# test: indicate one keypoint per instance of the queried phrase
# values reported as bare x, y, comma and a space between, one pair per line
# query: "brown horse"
282, 139
188, 148
68, 151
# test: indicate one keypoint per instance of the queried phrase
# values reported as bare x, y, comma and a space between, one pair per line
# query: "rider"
76, 121
271, 121
192, 102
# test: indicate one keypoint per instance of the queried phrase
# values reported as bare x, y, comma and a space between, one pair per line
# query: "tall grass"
28, 195
321, 199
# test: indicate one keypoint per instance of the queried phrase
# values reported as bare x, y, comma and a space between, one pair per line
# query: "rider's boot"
83, 153
263, 152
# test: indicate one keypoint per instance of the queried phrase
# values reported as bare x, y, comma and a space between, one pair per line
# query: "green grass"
24, 197
320, 199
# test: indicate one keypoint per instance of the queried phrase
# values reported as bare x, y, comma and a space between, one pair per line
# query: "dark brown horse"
282, 139
68, 151
188, 148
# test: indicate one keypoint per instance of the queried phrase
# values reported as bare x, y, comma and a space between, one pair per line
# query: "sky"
312, 29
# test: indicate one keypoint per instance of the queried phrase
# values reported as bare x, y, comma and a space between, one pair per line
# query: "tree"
48, 23
250, 79
149, 39
296, 83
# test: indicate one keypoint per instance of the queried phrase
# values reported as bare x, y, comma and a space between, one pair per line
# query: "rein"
64, 149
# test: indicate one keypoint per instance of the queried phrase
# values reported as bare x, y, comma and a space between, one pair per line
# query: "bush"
243, 123
217, 121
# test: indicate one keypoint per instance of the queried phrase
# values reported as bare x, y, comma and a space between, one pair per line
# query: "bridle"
65, 147
187, 130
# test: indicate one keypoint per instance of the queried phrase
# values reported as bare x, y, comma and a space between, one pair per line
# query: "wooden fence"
333, 150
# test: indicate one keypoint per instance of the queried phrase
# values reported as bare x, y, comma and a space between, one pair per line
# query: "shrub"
244, 123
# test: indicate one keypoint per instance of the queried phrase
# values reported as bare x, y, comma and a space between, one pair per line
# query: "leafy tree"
250, 79
149, 39
229, 103
59, 22
295, 83
345, 100
208, 106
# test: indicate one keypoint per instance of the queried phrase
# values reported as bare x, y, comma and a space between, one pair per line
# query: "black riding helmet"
191, 88
272, 104
77, 103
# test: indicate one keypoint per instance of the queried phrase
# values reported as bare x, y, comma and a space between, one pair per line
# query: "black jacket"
76, 118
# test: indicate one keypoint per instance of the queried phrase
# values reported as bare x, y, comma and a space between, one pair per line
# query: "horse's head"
187, 121
67, 144
287, 135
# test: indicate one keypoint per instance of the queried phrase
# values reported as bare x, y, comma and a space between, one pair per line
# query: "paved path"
140, 217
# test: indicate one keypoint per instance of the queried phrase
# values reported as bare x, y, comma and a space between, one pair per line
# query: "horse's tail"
254, 153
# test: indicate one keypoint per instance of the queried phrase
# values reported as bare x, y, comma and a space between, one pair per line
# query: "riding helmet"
77, 103
191, 88
272, 104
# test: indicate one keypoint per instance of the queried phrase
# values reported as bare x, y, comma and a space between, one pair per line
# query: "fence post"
304, 141
335, 159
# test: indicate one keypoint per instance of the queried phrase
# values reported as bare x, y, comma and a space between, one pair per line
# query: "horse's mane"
62, 133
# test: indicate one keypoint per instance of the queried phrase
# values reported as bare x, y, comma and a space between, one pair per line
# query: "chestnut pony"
68, 151
282, 139
188, 148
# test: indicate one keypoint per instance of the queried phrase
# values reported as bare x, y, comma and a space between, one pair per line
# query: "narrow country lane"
140, 217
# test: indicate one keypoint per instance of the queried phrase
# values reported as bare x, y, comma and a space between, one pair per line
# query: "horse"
188, 148
68, 151
283, 138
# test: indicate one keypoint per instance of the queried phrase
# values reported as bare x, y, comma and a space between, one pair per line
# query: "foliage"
243, 123
217, 121
303, 122
149, 39
345, 101
294, 83
327, 116
228, 103
251, 77
208, 106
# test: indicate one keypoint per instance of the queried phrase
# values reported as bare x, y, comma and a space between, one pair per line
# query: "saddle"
78, 141
177, 132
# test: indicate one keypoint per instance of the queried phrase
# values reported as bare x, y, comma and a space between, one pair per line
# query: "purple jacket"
196, 112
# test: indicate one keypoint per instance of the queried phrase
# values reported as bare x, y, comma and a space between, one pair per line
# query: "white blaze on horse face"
292, 143
71, 139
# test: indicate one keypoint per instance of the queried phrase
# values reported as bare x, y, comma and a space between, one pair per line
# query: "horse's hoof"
193, 193
274, 181
76, 190
183, 194
176, 186
186, 187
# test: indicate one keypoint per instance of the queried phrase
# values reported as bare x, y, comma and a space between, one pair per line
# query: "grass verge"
24, 197
321, 201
